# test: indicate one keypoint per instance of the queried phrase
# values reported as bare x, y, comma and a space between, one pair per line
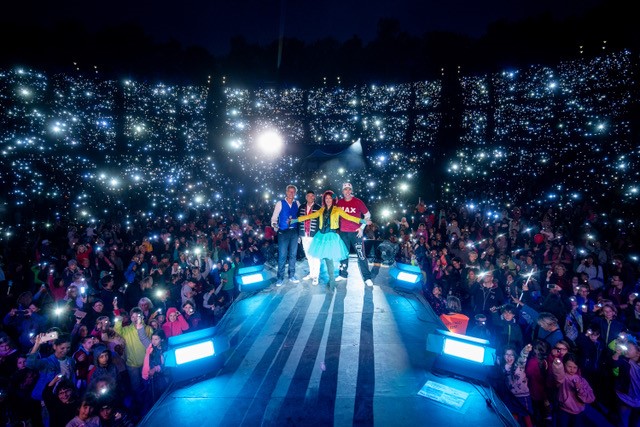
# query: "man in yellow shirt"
137, 337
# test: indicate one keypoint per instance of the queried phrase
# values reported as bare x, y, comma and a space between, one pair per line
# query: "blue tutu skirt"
328, 245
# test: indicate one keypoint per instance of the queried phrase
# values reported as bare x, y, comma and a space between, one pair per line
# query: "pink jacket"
574, 391
174, 328
517, 383
146, 366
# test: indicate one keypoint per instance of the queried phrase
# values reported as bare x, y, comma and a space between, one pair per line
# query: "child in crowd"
536, 369
627, 361
155, 376
574, 395
517, 396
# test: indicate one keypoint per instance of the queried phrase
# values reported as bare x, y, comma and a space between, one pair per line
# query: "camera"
551, 286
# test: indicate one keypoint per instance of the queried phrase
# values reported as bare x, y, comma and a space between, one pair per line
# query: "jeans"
135, 380
287, 248
629, 417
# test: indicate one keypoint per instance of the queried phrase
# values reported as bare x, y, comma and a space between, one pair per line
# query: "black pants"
352, 241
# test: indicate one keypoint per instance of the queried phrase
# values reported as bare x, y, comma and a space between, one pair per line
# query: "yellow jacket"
336, 213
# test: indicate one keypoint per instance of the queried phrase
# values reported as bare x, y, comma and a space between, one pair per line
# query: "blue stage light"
461, 355
406, 276
464, 350
252, 278
194, 352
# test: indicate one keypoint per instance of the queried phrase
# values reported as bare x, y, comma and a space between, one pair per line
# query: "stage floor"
303, 356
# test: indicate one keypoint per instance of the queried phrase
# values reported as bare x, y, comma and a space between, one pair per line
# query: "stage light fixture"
406, 276
464, 350
461, 355
194, 354
250, 279
253, 278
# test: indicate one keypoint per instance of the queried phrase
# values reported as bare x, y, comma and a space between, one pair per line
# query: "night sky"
212, 23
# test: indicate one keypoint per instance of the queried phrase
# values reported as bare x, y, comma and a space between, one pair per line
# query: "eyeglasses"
561, 348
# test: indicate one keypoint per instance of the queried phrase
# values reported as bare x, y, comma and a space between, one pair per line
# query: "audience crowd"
87, 314
556, 294
88, 308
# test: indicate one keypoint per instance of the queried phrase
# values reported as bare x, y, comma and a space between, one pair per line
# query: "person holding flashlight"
137, 337
574, 394
627, 360
605, 317
592, 356
632, 315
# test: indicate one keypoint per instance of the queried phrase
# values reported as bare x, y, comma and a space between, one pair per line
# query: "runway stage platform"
303, 356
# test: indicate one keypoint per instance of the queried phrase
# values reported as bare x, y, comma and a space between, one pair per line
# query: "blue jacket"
27, 326
130, 274
48, 368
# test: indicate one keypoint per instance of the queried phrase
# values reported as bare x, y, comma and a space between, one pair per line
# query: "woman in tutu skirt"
326, 243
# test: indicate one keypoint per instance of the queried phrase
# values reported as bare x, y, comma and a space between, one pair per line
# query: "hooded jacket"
102, 371
174, 328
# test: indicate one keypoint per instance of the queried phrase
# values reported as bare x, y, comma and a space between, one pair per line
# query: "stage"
301, 355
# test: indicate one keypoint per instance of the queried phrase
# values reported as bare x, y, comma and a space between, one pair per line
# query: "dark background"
258, 43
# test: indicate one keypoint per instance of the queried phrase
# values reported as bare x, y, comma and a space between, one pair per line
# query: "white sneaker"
315, 281
307, 277
340, 278
368, 282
